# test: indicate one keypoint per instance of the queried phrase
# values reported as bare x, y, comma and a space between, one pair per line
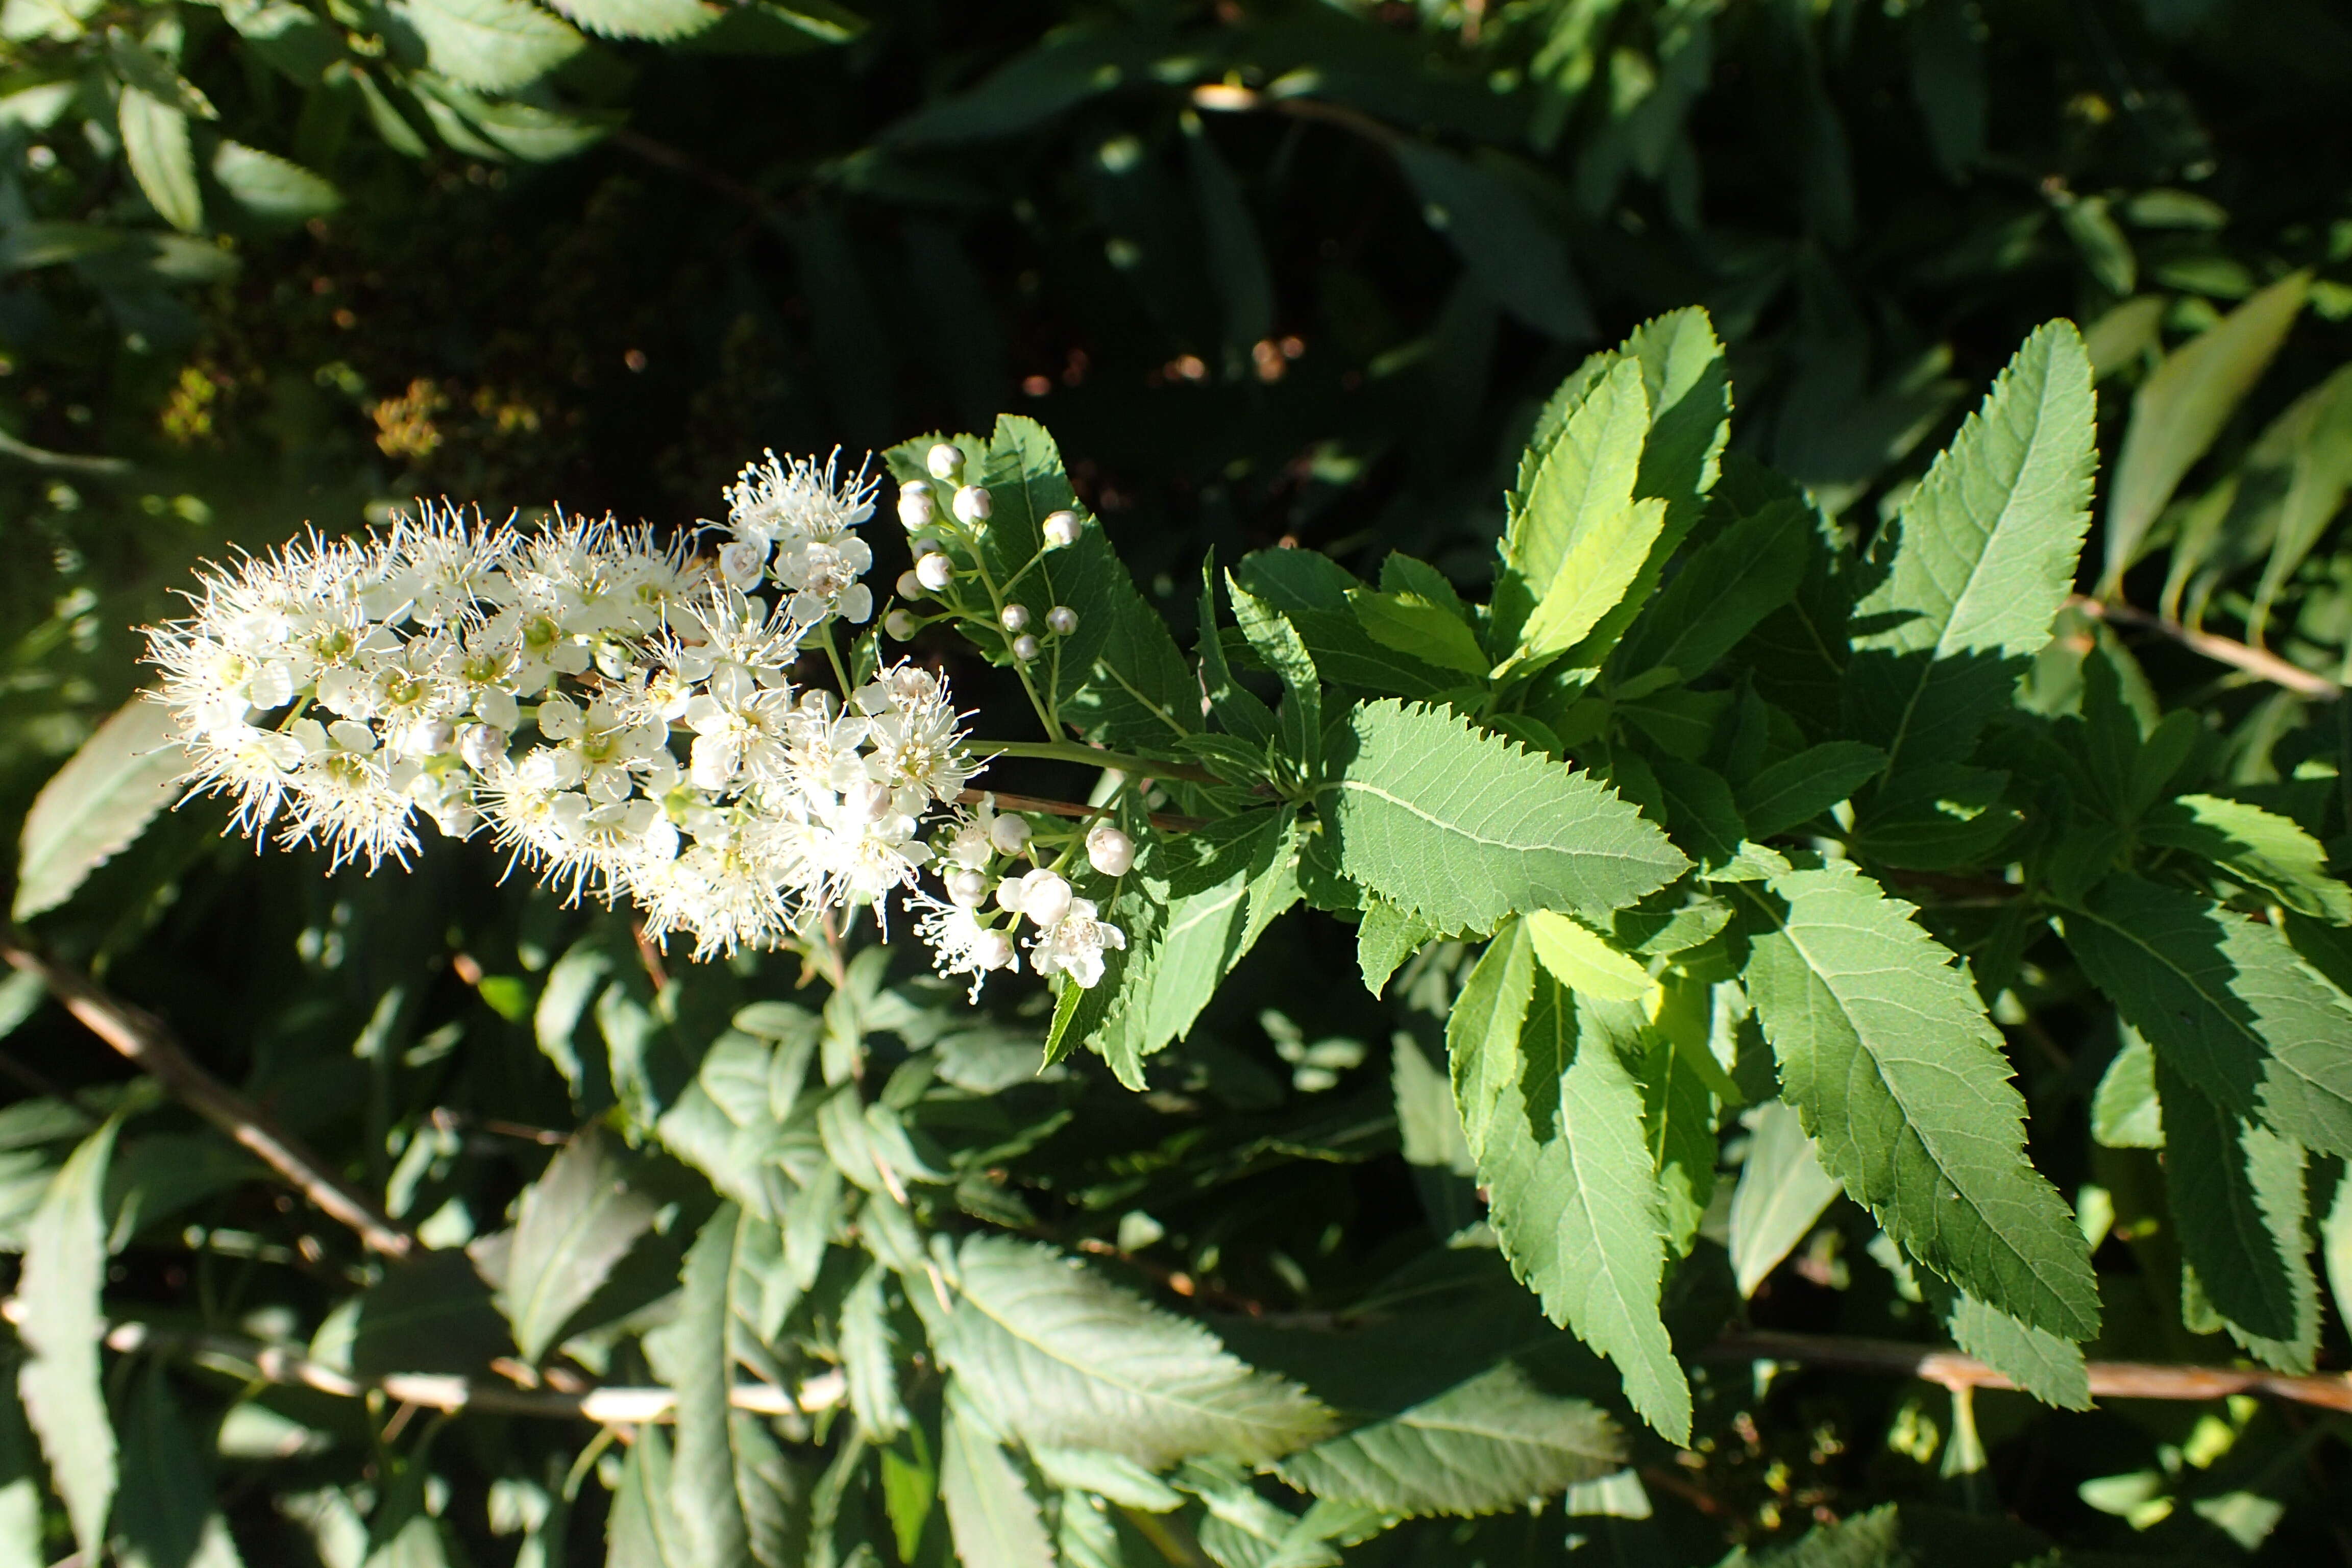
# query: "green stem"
1091, 756
996, 620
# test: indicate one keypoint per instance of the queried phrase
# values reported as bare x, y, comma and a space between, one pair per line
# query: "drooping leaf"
2123, 1111
163, 159
2180, 409
1743, 574
58, 1284
96, 805
1900, 1079
2227, 1003
572, 1226
1782, 1192
990, 1511
1979, 560
2237, 1196
1484, 1446
661, 20
167, 1517
1387, 937
2049, 1368
271, 188
1795, 790
492, 45
868, 1357
1062, 1358
1515, 256
1574, 530
2270, 851
1464, 828
1555, 1121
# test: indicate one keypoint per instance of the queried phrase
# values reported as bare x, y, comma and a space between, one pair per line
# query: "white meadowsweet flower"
824, 576
253, 766
443, 565
1074, 945
861, 856
1045, 897
961, 944
915, 743
783, 503
610, 750
448, 799
731, 643
483, 667
1109, 850
347, 797
748, 738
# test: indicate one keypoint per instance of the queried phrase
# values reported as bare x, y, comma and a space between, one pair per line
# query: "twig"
2109, 1379
438, 1390
1165, 821
142, 1038
2254, 662
683, 162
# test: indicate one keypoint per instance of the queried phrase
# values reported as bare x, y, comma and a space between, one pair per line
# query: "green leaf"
1429, 1127
291, 38
1743, 574
1574, 529
167, 1519
644, 1529
1482, 1029
1794, 791
1237, 267
1235, 707
1487, 1446
1409, 623
2316, 432
1887, 1054
20, 1484
142, 69
661, 20
1583, 961
1679, 1123
1315, 592
869, 1358
270, 188
1278, 642
2237, 1194
1980, 559
1555, 1121
1782, 1195
572, 1226
1387, 937
1071, 66
1464, 828
2049, 1368
2179, 410
94, 808
492, 45
1061, 1358
2269, 851
2227, 1003
155, 141
1514, 255
2124, 1113
58, 1285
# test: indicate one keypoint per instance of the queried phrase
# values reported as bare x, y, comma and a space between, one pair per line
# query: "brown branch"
1164, 821
2258, 662
2109, 1379
252, 1359
142, 1038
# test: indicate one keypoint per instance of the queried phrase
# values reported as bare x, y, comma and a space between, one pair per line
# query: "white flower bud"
993, 951
915, 506
1063, 619
967, 887
1010, 834
945, 460
1109, 850
909, 586
818, 700
1008, 895
1015, 617
1025, 647
741, 562
898, 624
935, 572
1061, 530
867, 800
431, 737
973, 506
1044, 897
481, 745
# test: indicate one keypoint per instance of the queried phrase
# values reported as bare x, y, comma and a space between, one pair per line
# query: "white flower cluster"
620, 714
1069, 935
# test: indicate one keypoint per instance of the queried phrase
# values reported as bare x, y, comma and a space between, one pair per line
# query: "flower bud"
967, 887
741, 562
1063, 619
909, 586
1015, 617
1109, 850
818, 701
935, 572
993, 951
1044, 897
1025, 647
898, 624
973, 506
1061, 530
867, 800
481, 746
1008, 895
1010, 834
915, 506
945, 460
431, 737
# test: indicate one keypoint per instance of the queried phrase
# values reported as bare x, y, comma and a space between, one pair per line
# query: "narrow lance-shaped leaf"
1570, 528
2237, 1194
1900, 1079
95, 806
492, 45
571, 1225
1782, 1192
63, 1270
990, 1511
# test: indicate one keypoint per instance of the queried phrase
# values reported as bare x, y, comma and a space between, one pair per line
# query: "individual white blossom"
1045, 897
1074, 944
962, 943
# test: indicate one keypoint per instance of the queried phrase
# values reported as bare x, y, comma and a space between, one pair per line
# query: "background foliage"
1271, 274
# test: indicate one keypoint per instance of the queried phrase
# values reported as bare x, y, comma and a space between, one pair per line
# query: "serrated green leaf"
869, 1358
1412, 624
1578, 1216
2051, 1369
156, 143
1464, 828
1429, 1127
58, 1284
572, 1226
2270, 851
167, 1519
142, 69
1482, 1029
1278, 642
1112, 1476
270, 187
2123, 1111
1574, 510
1487, 1446
1887, 1054
1717, 597
1313, 590
1979, 560
1585, 962
492, 45
1782, 1194
1679, 1123
1388, 936
292, 38
662, 20
94, 806
2237, 1198
1062, 1358
1235, 707
2180, 409
1795, 790
644, 1530
2227, 1003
